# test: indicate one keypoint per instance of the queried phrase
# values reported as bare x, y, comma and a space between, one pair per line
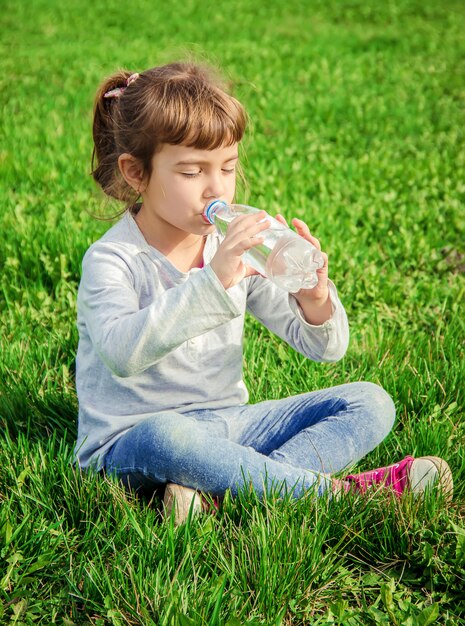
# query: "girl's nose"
215, 186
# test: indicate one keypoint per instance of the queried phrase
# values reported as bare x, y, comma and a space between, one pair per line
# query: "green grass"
358, 112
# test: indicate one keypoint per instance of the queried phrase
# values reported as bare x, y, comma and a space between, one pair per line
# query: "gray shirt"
153, 338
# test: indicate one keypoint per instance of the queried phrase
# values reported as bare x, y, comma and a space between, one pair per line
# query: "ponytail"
105, 170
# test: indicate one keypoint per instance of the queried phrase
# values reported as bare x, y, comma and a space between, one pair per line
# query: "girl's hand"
315, 302
243, 233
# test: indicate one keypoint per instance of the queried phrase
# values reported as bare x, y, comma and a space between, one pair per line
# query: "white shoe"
183, 500
429, 471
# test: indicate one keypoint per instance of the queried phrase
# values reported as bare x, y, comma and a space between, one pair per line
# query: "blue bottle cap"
211, 209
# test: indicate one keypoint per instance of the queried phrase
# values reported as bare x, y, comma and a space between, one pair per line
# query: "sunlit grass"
357, 113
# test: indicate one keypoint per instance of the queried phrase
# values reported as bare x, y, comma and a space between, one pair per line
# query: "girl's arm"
128, 338
281, 313
313, 321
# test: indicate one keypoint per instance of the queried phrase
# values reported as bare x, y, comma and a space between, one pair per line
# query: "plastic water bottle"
286, 258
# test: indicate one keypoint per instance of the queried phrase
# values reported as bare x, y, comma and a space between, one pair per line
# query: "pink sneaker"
415, 475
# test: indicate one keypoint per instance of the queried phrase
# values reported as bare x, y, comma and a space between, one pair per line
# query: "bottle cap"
211, 209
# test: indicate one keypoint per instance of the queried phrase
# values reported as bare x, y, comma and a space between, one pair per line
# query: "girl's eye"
195, 174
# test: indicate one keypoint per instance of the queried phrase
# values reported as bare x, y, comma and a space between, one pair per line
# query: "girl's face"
183, 181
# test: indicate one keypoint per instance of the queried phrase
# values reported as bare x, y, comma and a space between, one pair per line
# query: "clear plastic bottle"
286, 258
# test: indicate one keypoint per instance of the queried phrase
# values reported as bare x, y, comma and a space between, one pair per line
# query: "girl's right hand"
241, 236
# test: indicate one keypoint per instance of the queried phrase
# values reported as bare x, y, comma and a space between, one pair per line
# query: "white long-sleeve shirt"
153, 338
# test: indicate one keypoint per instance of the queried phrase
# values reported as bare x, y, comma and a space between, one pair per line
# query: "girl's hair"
178, 103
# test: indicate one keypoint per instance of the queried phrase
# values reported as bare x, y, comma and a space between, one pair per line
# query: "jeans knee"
171, 434
153, 448
381, 407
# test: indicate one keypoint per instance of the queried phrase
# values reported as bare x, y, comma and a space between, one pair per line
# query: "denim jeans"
293, 443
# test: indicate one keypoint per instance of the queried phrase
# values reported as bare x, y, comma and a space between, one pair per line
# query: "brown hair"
178, 103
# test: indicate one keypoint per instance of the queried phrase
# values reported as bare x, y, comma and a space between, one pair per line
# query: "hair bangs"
204, 123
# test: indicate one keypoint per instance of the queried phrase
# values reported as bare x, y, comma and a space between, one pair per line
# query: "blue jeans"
291, 444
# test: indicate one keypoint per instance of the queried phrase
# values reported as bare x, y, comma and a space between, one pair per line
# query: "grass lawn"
358, 118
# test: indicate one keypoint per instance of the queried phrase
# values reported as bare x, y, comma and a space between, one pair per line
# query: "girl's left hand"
315, 302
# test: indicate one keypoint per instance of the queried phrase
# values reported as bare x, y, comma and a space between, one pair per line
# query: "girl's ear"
132, 171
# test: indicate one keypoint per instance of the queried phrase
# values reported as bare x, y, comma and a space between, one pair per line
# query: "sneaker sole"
431, 471
183, 500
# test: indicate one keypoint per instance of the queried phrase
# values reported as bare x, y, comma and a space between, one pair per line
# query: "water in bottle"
286, 258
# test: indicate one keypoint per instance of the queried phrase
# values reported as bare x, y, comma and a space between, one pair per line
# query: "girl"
161, 309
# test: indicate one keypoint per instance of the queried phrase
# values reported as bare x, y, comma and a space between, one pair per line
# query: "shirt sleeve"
128, 338
281, 313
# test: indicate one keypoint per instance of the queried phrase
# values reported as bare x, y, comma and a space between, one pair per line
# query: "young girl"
161, 309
